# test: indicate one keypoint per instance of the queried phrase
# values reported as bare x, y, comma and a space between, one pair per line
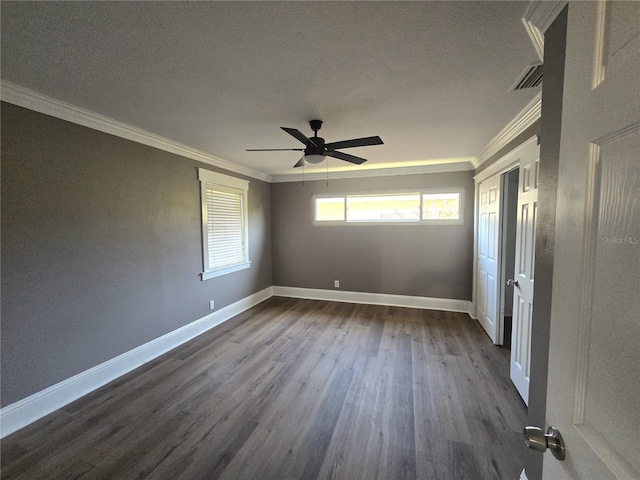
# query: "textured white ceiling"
431, 78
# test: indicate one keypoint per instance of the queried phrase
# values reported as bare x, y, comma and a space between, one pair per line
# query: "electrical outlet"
211, 304
336, 283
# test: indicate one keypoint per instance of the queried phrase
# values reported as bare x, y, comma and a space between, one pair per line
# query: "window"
432, 206
383, 208
225, 246
330, 209
441, 206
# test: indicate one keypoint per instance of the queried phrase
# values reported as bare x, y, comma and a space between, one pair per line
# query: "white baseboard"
20, 414
429, 303
23, 412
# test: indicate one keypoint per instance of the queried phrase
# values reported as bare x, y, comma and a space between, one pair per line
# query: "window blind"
225, 224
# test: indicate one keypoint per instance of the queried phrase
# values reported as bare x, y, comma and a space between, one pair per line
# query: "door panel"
614, 308
594, 361
488, 248
520, 370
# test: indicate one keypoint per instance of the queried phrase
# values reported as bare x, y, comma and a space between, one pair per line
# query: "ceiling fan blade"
274, 149
346, 157
298, 135
356, 142
300, 163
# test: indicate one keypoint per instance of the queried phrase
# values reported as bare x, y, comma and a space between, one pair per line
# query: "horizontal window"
383, 208
441, 206
430, 206
330, 209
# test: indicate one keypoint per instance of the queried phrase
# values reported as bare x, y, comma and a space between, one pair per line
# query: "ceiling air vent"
531, 77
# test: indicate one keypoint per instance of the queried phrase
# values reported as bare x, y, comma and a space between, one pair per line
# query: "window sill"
225, 271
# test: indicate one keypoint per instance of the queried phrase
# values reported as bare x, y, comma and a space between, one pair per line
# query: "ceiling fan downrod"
315, 126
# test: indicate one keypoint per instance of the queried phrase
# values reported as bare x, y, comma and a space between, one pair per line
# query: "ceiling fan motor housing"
315, 154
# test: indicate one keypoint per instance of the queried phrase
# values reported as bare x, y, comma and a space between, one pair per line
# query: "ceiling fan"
316, 150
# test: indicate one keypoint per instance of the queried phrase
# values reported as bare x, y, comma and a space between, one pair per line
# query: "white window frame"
217, 181
420, 192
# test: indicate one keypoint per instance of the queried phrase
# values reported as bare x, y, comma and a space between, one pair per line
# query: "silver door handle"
536, 440
512, 283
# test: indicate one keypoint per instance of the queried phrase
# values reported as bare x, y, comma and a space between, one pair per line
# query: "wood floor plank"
375, 437
314, 444
216, 462
298, 390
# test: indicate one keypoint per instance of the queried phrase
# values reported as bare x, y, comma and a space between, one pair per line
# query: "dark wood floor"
296, 389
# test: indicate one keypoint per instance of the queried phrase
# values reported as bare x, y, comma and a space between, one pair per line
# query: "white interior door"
523, 271
488, 298
594, 355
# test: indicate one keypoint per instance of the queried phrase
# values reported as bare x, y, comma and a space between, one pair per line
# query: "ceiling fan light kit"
316, 150
314, 158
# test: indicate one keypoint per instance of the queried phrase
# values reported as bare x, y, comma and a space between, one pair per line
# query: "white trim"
217, 178
224, 271
219, 182
542, 13
523, 476
20, 414
375, 172
537, 37
428, 303
506, 163
23, 97
515, 127
26, 411
26, 98
537, 18
473, 311
600, 42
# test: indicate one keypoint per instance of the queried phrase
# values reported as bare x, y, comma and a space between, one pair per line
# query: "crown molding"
542, 13
375, 172
509, 161
515, 127
536, 36
24, 97
538, 16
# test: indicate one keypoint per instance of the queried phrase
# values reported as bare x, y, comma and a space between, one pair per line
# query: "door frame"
537, 18
504, 164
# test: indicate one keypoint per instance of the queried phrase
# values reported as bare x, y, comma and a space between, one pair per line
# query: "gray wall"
552, 91
101, 249
427, 260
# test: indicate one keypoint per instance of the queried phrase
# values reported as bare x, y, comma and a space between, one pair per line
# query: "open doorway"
506, 198
509, 218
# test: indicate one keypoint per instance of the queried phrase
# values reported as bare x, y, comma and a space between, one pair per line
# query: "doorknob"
512, 283
536, 440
